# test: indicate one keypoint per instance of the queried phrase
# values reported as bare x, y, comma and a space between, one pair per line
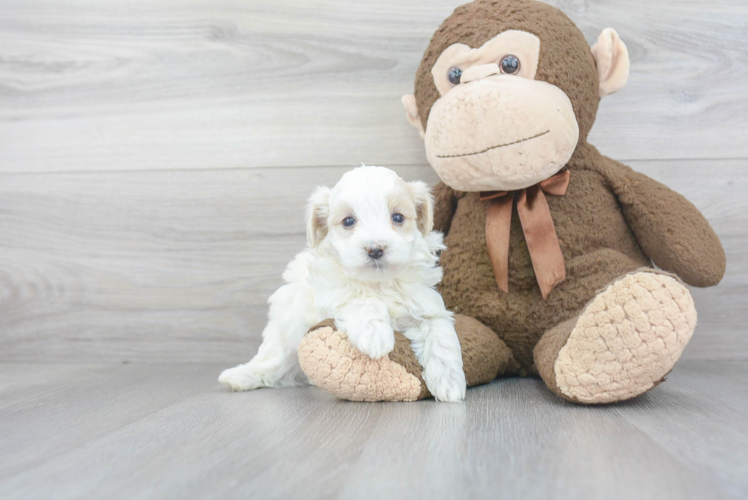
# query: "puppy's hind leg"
277, 363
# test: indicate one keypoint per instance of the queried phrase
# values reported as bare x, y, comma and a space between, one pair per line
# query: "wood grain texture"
169, 431
155, 156
177, 266
138, 85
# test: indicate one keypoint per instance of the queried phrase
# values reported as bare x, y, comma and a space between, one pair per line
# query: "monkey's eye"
509, 65
349, 222
398, 218
454, 74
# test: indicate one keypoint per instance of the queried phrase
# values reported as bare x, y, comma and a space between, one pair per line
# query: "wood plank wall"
155, 155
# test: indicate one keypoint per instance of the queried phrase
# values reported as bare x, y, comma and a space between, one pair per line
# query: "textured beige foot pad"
626, 340
333, 364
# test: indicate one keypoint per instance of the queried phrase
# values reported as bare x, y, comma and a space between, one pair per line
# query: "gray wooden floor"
169, 431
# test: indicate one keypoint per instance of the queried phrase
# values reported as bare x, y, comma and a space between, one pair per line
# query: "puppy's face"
371, 220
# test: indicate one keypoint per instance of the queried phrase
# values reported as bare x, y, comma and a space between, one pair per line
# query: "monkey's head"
506, 91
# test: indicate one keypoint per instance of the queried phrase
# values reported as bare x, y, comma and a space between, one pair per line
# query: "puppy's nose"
375, 251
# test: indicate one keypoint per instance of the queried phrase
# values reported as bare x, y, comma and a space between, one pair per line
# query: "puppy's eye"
398, 218
349, 221
509, 65
454, 74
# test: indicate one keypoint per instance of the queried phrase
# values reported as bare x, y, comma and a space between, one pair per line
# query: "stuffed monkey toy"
560, 262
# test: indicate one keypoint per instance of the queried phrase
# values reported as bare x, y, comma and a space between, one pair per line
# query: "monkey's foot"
333, 364
622, 344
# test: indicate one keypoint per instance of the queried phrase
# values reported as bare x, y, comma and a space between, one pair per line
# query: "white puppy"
372, 266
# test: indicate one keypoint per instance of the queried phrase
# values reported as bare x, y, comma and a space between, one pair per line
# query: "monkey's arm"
445, 204
670, 230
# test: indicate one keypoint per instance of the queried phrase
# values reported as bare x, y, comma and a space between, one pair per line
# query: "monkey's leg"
622, 344
332, 363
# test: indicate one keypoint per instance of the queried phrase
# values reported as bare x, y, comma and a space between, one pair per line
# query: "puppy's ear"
317, 212
424, 202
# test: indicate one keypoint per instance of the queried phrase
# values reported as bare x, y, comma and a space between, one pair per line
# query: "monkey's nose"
478, 72
375, 251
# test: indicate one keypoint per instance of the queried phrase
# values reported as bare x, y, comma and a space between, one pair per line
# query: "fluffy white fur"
337, 277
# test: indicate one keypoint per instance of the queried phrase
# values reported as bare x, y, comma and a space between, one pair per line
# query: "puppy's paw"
376, 339
445, 380
240, 378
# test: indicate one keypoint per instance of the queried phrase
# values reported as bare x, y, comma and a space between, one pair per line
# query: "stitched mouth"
497, 146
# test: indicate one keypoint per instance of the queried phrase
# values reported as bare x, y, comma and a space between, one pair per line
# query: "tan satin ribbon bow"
537, 224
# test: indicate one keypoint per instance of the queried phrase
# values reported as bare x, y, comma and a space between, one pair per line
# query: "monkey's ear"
612, 60
317, 212
424, 202
411, 112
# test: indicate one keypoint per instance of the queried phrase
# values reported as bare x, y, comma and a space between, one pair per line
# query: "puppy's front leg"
435, 344
367, 323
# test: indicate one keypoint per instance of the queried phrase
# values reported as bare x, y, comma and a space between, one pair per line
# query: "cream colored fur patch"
627, 339
333, 364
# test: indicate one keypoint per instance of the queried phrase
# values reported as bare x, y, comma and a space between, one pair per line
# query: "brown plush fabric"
668, 227
546, 352
445, 204
593, 258
484, 355
598, 240
565, 57
403, 355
